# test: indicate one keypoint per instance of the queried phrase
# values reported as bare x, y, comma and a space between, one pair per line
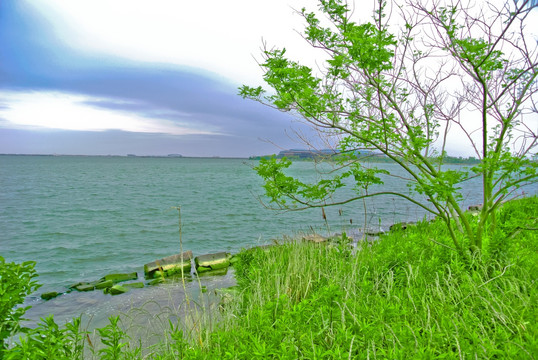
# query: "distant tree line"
331, 154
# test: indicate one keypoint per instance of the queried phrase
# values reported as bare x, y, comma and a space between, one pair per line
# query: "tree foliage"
399, 85
16, 282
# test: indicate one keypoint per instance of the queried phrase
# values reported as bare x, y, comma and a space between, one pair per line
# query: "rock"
214, 261
134, 285
117, 289
218, 272
374, 232
400, 226
156, 281
75, 285
170, 265
201, 269
116, 278
315, 238
177, 270
49, 295
477, 207
85, 287
104, 284
159, 274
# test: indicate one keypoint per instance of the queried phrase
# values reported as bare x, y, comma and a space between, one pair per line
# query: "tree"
460, 65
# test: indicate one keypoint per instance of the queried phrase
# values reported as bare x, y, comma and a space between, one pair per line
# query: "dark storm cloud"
32, 59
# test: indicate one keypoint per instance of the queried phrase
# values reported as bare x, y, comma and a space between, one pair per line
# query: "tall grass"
404, 296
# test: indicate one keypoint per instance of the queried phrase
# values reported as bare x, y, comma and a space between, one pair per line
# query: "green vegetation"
16, 283
463, 286
407, 295
370, 158
402, 91
403, 296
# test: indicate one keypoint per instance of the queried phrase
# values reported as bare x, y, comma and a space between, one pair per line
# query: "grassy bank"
404, 296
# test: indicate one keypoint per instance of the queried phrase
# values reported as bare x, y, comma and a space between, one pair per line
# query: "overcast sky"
143, 77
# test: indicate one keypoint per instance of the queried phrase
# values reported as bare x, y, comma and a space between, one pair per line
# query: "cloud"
46, 84
217, 36
51, 110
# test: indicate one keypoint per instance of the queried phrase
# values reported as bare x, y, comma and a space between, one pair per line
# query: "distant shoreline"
130, 156
372, 159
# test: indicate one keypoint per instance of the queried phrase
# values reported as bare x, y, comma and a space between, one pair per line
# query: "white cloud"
55, 110
215, 35
220, 36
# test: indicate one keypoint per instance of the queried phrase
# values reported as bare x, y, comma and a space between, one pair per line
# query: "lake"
80, 218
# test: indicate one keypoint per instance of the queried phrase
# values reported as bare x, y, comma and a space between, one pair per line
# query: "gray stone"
170, 264
178, 270
117, 289
201, 269
374, 232
85, 287
477, 207
104, 284
218, 272
214, 261
49, 295
75, 285
315, 238
157, 275
116, 278
401, 225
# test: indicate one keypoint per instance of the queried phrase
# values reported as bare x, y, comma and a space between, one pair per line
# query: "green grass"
401, 297
404, 296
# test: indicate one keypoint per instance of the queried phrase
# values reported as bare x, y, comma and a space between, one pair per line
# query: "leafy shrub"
49, 341
16, 283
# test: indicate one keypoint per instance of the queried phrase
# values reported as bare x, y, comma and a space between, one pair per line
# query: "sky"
142, 77
138, 77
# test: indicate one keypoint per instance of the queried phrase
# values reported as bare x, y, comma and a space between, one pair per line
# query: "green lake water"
80, 218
